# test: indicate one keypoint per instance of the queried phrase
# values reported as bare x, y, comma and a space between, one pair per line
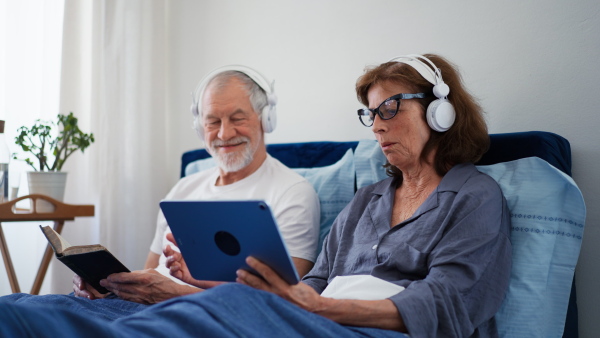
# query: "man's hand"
83, 289
178, 268
300, 294
145, 286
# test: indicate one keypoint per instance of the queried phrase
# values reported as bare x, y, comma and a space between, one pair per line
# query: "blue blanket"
230, 310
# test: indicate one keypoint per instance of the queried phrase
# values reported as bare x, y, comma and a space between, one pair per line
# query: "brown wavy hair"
466, 141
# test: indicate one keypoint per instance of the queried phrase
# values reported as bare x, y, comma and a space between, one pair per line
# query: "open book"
91, 262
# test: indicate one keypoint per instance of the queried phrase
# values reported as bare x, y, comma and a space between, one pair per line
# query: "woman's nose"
379, 125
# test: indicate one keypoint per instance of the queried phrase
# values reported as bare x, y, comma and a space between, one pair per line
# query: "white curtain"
114, 79
30, 54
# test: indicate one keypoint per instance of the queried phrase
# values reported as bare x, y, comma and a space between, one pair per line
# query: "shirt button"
374, 247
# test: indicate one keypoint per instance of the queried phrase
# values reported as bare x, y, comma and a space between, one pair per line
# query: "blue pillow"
548, 217
335, 186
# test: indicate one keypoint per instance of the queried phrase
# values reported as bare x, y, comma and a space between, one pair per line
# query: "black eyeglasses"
387, 109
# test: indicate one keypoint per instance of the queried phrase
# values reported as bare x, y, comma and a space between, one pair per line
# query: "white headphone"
268, 115
440, 113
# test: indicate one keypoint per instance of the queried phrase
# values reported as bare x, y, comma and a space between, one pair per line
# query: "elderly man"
233, 107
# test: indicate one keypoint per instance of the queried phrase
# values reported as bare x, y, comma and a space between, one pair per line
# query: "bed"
547, 211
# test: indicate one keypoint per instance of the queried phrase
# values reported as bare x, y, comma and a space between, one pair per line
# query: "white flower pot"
49, 183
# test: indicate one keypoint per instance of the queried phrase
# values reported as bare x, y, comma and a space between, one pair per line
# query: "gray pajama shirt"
453, 255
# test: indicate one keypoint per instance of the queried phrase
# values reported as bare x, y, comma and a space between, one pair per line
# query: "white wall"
533, 65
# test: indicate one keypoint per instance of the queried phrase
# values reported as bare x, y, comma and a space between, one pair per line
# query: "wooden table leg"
39, 278
10, 270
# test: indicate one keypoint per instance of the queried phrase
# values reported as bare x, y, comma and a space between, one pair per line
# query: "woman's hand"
300, 294
178, 268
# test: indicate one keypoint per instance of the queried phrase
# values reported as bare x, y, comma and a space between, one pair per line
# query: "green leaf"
46, 143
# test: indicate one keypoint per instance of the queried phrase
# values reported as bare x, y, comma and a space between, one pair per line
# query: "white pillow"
363, 287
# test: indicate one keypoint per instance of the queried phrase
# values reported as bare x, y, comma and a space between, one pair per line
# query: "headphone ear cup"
197, 124
268, 119
269, 114
198, 127
440, 115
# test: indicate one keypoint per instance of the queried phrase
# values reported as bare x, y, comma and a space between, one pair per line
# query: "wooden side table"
62, 212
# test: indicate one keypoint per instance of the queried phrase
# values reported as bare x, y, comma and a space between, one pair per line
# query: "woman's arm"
379, 313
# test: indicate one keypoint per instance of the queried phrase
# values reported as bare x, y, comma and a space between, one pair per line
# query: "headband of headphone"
440, 113
268, 114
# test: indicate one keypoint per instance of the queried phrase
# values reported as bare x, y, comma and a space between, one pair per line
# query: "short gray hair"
257, 96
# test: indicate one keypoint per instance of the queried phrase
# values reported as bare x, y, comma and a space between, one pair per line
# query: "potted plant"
50, 149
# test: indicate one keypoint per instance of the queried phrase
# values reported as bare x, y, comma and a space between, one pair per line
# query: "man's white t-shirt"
292, 199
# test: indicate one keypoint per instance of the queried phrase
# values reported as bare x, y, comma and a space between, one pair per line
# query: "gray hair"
257, 96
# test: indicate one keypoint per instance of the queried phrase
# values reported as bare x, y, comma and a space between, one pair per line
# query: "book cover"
91, 262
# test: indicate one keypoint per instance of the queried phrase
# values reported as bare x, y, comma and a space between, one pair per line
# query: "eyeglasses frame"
397, 98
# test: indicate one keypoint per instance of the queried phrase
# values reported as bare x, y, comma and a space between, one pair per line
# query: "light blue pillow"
335, 186
548, 217
200, 165
369, 161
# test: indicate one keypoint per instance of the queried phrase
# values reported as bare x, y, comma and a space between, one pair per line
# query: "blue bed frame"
550, 147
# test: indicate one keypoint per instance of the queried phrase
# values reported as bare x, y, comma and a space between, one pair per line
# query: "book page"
58, 243
74, 250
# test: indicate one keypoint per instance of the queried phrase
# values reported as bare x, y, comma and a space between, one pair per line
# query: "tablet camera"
227, 243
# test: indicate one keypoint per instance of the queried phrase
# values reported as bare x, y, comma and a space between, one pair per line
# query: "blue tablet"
215, 237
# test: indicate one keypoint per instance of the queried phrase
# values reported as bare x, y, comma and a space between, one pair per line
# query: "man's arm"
297, 214
303, 266
82, 289
145, 286
152, 260
142, 286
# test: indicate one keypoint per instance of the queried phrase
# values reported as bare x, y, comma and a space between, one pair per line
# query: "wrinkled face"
232, 129
403, 137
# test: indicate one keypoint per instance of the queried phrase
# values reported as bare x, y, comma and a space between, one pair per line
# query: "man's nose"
227, 131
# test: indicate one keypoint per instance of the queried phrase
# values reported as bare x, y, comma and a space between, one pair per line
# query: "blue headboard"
503, 147
550, 147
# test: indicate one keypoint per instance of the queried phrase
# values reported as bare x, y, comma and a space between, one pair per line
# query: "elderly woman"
436, 226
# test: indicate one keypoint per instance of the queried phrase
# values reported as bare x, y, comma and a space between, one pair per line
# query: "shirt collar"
454, 179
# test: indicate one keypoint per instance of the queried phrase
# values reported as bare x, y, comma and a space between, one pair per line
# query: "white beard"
234, 161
